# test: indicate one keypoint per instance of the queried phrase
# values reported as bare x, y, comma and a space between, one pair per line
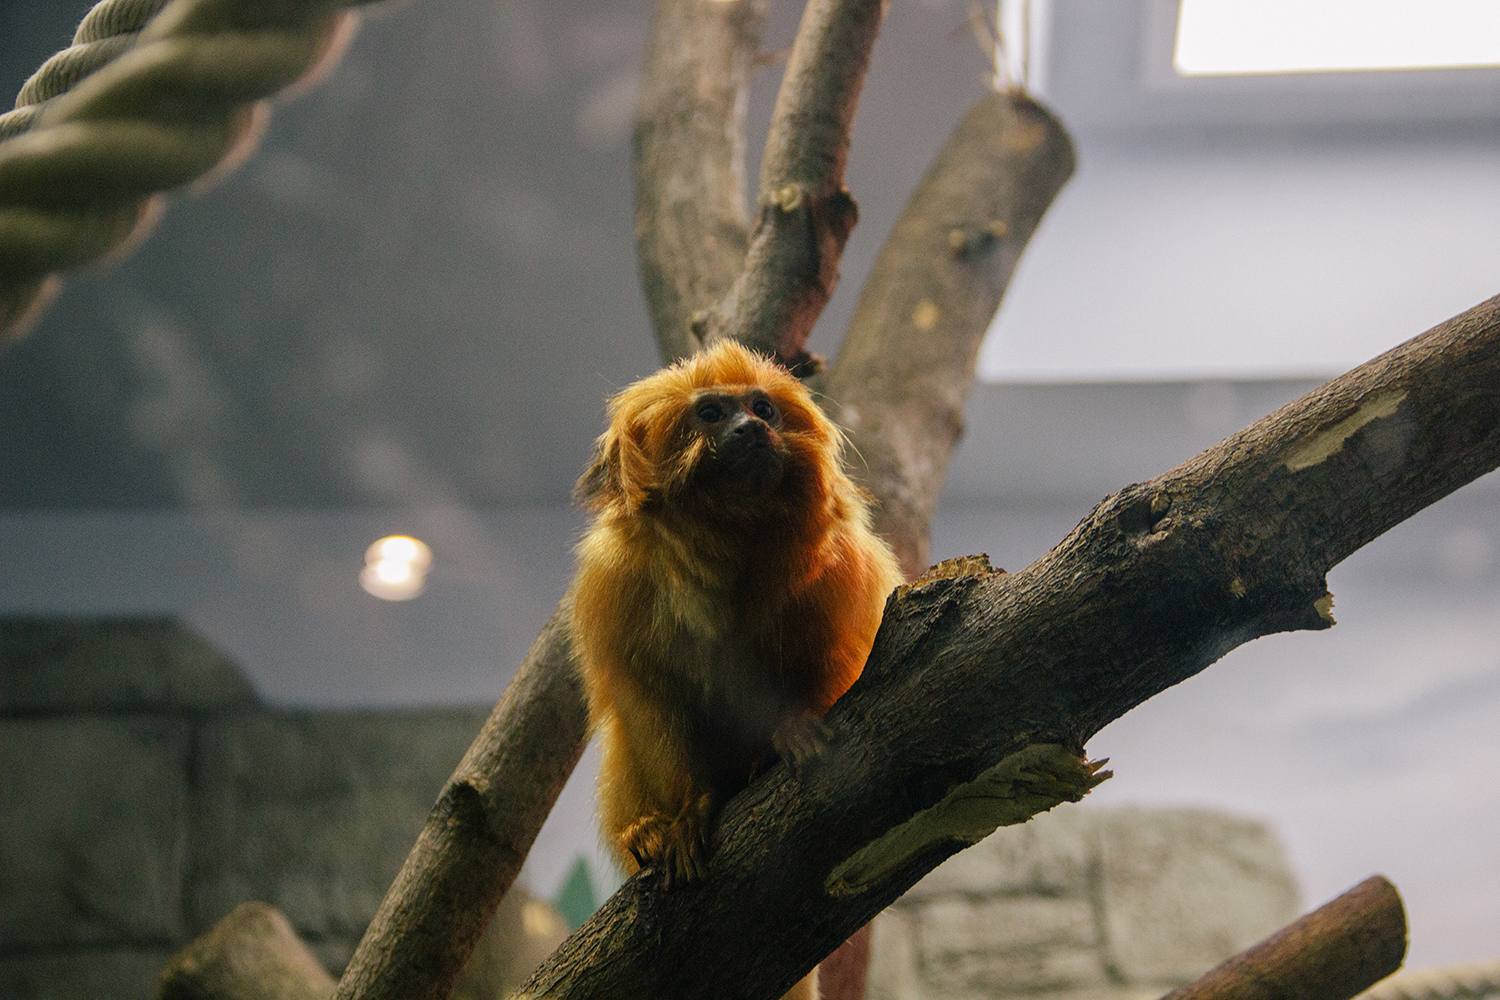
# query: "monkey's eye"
710, 413
762, 408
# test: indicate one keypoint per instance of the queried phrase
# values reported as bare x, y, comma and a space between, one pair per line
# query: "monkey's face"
744, 450
724, 436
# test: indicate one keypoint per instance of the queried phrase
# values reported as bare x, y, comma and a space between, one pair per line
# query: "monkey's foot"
677, 846
800, 740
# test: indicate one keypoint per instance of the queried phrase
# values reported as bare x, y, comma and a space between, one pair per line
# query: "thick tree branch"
804, 212
1158, 582
1335, 952
479, 832
906, 365
691, 226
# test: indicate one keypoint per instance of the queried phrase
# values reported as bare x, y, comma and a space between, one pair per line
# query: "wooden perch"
1155, 584
1335, 952
252, 954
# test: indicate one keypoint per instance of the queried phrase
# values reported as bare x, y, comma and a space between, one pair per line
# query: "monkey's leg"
654, 799
677, 844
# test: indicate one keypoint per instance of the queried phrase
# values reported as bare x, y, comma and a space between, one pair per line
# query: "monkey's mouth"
756, 466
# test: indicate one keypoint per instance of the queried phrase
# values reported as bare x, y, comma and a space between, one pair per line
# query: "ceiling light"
396, 568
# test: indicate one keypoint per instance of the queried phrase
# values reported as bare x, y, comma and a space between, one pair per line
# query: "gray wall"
404, 313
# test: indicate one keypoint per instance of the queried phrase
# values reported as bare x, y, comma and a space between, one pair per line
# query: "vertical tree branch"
691, 225
804, 212
906, 365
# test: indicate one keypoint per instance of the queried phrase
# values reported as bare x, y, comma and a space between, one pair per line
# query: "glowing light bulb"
396, 568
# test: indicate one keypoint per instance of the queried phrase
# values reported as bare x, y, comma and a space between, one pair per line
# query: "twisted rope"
1454, 982
151, 95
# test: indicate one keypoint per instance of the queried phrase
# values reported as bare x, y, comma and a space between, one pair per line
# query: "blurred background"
404, 313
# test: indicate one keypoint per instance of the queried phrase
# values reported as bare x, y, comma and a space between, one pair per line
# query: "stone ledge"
94, 810
114, 665
314, 812
1084, 904
124, 974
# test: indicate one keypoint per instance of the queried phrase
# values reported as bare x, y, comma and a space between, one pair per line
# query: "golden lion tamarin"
728, 592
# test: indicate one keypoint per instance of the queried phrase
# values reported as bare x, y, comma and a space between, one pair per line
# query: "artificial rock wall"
146, 792
1085, 904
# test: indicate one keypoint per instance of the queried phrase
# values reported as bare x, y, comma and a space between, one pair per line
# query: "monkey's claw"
801, 740
677, 847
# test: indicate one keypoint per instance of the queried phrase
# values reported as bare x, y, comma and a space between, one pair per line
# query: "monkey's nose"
749, 431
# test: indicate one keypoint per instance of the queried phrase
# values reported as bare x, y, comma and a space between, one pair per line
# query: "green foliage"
577, 900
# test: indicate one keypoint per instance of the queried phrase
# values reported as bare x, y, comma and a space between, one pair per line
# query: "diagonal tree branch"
906, 365
478, 833
1159, 581
1335, 952
691, 225
804, 212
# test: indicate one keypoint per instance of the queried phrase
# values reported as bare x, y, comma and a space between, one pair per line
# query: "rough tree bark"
690, 220
906, 364
804, 212
1155, 584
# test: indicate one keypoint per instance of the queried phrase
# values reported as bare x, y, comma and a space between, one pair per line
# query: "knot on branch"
973, 241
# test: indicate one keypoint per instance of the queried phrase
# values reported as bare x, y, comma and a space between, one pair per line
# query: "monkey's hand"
676, 846
801, 739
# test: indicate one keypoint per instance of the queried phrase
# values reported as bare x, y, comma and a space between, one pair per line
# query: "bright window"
1231, 37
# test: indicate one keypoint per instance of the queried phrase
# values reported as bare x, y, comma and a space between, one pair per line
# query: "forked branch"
804, 212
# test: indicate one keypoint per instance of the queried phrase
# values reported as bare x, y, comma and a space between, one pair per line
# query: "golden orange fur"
727, 594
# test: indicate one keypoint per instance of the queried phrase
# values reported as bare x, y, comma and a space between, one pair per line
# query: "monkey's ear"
597, 488
618, 474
